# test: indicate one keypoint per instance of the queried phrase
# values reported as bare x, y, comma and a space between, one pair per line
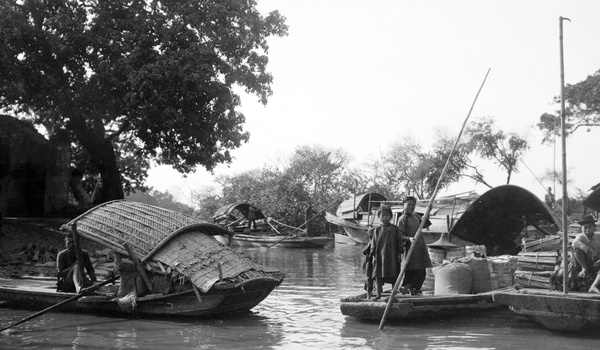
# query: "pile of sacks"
470, 273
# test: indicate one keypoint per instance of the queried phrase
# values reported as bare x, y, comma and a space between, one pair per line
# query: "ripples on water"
302, 313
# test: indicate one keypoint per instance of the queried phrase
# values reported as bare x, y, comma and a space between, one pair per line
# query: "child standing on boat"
385, 250
416, 271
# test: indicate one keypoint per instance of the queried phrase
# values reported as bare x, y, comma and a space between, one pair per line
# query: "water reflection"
303, 313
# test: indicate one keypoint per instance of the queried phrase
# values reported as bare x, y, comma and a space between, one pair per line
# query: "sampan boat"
181, 269
234, 218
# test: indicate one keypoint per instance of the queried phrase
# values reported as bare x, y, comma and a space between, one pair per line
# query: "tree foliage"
504, 149
154, 79
412, 170
582, 108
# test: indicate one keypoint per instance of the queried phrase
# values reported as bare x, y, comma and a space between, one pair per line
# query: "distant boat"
187, 272
267, 232
357, 215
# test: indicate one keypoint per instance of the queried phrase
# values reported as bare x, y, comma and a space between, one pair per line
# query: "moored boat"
407, 307
494, 221
241, 232
183, 270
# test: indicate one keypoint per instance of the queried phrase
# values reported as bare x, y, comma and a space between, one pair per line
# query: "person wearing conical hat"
586, 253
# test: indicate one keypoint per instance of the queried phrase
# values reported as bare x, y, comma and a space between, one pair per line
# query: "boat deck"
419, 306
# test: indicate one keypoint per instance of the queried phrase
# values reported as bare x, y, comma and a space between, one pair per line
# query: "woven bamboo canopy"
176, 240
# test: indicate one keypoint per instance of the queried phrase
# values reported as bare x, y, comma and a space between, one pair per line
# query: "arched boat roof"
360, 203
162, 235
593, 200
495, 219
243, 207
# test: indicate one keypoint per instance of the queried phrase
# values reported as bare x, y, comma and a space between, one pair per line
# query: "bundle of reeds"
548, 243
535, 279
537, 261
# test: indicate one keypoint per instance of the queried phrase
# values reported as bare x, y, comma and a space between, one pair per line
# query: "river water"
302, 313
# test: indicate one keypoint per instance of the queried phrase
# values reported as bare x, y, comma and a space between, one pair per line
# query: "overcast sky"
359, 75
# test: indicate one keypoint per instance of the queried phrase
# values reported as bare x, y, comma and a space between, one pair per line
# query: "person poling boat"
416, 270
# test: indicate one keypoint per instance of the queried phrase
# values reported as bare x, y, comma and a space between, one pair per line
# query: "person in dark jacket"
386, 249
419, 261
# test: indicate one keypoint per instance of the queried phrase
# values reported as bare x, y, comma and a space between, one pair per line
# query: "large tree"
158, 74
504, 149
582, 108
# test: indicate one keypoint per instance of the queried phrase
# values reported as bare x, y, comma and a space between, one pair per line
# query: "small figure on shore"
549, 198
419, 261
385, 251
69, 278
586, 251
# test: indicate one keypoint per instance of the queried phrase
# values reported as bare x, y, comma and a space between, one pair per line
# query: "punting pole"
427, 211
83, 292
565, 223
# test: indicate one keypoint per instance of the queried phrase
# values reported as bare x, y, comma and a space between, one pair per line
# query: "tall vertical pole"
565, 223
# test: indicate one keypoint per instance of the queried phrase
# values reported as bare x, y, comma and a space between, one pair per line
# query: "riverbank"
29, 247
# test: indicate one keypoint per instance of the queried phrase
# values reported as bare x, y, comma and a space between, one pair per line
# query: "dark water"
303, 313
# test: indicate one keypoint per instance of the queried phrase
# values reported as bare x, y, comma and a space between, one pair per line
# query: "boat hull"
554, 310
355, 231
343, 239
40, 294
420, 306
257, 240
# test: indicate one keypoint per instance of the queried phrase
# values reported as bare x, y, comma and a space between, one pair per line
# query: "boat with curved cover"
181, 269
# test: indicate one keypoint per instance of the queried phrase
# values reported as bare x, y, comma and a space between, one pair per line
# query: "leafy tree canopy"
504, 149
159, 75
582, 109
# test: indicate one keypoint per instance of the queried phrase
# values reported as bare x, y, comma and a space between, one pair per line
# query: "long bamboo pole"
427, 211
565, 225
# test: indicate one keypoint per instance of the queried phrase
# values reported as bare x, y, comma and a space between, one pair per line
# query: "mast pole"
404, 265
565, 223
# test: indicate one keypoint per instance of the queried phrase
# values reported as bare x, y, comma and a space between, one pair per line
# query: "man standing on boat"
68, 270
309, 213
419, 261
251, 217
586, 251
549, 199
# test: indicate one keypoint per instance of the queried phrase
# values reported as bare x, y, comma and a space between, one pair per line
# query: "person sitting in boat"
67, 268
385, 251
419, 261
586, 251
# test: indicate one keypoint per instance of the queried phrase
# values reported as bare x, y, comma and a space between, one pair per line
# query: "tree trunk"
105, 160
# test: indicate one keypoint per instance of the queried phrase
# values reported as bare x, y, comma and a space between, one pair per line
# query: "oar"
427, 211
286, 236
82, 293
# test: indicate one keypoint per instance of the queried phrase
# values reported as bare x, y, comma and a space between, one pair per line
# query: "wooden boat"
495, 220
234, 218
356, 220
407, 307
559, 310
355, 232
186, 272
575, 311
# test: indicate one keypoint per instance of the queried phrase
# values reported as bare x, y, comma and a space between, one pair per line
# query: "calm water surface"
303, 313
